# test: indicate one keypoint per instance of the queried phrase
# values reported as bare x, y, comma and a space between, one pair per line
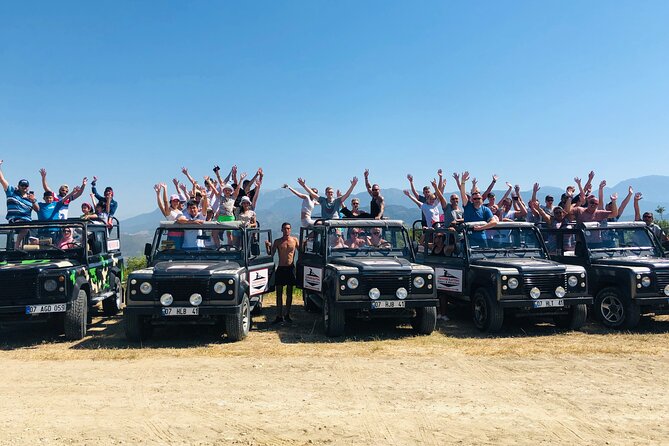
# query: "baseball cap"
174, 197
24, 183
245, 200
228, 186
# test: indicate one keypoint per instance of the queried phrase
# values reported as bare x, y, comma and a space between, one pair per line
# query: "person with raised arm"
430, 209
308, 204
488, 191
20, 201
107, 200
474, 211
421, 198
377, 205
62, 192
451, 211
648, 219
329, 204
592, 213
227, 198
355, 211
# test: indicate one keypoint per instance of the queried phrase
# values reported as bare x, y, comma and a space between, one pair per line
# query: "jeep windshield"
190, 242
519, 242
366, 241
620, 242
31, 243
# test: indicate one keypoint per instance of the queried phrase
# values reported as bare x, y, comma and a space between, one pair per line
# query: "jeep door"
260, 265
566, 246
450, 265
101, 264
311, 260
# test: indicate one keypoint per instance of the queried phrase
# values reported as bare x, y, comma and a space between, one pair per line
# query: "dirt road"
292, 386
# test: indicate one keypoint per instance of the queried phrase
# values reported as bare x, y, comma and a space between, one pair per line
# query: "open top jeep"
504, 270
373, 277
200, 274
57, 270
626, 271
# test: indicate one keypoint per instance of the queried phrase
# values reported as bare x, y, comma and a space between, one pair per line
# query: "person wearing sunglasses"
592, 211
648, 219
377, 205
473, 210
376, 241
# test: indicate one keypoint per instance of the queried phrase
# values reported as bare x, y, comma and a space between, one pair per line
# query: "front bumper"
204, 310
528, 304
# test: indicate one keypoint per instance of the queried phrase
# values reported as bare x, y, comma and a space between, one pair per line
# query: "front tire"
238, 325
574, 319
111, 306
334, 318
425, 320
76, 317
136, 327
257, 310
615, 310
488, 314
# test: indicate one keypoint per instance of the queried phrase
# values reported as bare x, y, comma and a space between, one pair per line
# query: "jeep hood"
193, 268
648, 262
35, 265
373, 264
524, 266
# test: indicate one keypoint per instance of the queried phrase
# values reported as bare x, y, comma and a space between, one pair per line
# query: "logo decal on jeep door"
449, 279
258, 281
312, 278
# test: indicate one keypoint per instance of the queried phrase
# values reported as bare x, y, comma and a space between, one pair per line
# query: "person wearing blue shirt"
473, 210
20, 203
50, 209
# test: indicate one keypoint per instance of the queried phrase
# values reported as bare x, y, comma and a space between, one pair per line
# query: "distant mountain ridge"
280, 205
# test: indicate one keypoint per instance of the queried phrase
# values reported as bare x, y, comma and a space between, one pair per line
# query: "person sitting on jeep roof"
355, 211
329, 204
308, 205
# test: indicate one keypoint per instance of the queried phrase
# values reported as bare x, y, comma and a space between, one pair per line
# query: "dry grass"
305, 338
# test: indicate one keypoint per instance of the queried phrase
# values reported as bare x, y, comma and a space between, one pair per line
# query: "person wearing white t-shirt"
192, 216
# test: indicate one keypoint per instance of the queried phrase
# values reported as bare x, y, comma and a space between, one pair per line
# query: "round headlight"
666, 290
513, 283
145, 288
418, 282
572, 281
219, 288
50, 285
560, 292
352, 283
195, 299
374, 293
133, 282
166, 299
645, 281
401, 293
535, 293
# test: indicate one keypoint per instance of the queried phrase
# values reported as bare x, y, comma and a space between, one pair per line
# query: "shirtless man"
285, 272
376, 241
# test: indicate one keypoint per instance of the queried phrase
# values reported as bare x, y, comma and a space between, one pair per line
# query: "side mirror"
147, 249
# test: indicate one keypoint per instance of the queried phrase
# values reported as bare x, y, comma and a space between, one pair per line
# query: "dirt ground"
290, 385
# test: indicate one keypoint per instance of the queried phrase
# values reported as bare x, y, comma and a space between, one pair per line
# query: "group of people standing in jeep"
22, 202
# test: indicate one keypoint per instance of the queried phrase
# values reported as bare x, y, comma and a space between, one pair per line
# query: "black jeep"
57, 270
364, 268
627, 272
200, 274
504, 270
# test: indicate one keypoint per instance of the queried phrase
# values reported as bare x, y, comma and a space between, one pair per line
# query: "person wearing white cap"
226, 200
171, 208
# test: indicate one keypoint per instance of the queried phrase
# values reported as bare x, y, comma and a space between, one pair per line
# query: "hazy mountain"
280, 205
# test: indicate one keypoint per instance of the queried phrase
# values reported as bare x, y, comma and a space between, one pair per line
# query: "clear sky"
130, 91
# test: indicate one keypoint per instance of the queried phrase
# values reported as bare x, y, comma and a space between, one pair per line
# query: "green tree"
135, 263
660, 210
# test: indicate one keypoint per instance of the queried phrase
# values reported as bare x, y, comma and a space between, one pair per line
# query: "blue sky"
131, 91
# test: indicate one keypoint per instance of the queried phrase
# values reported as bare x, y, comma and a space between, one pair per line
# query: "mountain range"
280, 205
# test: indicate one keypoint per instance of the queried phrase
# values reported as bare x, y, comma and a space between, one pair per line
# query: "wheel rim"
612, 310
245, 316
480, 311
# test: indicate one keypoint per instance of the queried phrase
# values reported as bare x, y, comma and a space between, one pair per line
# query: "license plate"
547, 303
49, 308
388, 304
180, 311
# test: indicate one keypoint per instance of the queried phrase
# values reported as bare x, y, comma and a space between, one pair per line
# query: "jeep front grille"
18, 291
182, 288
387, 284
662, 279
545, 282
